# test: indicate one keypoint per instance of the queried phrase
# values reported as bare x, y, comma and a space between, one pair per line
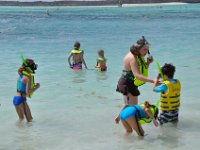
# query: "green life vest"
143, 68
147, 119
32, 82
76, 51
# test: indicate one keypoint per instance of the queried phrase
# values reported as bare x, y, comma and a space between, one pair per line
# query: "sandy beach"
90, 3
154, 4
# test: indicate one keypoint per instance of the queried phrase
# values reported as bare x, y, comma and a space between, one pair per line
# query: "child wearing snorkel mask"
25, 88
133, 116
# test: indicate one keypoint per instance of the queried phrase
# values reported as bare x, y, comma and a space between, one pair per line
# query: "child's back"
101, 61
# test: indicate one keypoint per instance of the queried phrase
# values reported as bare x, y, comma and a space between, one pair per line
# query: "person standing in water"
25, 88
135, 73
101, 61
170, 91
77, 55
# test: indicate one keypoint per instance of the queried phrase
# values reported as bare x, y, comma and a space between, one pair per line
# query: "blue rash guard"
21, 88
163, 87
130, 111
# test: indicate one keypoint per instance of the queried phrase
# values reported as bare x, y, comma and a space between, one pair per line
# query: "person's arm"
27, 81
83, 60
69, 59
149, 60
135, 69
97, 64
160, 88
156, 81
149, 114
117, 119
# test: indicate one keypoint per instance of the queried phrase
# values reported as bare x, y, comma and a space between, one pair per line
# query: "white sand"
154, 4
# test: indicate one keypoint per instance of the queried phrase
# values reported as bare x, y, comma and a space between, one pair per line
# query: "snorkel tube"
160, 71
147, 43
28, 73
25, 63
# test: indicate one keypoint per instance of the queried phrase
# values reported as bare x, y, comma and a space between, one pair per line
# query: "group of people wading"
134, 74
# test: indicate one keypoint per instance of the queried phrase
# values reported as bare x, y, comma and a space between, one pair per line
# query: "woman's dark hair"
168, 70
134, 49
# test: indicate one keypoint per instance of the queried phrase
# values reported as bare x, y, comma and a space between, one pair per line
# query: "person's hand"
155, 122
156, 80
37, 85
158, 76
117, 120
149, 59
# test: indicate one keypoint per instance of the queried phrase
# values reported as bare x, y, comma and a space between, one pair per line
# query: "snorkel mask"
31, 68
145, 43
154, 109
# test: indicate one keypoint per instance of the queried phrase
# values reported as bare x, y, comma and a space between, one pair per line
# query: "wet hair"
148, 105
101, 53
77, 45
135, 49
168, 70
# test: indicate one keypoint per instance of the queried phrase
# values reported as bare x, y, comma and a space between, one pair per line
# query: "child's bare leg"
127, 127
28, 115
133, 123
20, 111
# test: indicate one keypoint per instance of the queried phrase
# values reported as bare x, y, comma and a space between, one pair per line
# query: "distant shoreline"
96, 3
154, 4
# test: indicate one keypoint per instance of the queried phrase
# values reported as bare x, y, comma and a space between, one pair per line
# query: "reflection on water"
79, 76
169, 136
101, 75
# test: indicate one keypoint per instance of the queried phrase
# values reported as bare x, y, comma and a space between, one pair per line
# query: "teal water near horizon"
76, 109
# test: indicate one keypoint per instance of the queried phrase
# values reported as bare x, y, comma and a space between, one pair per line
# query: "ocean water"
75, 110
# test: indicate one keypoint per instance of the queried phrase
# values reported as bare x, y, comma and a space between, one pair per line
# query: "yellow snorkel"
25, 63
160, 71
28, 74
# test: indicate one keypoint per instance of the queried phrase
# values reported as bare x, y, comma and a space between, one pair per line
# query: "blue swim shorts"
17, 100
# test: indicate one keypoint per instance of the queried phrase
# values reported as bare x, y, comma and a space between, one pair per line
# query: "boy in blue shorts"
170, 95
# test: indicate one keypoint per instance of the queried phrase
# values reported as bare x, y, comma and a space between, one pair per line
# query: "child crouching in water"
101, 61
133, 116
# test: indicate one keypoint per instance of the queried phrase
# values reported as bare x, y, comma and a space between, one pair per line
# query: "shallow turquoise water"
76, 110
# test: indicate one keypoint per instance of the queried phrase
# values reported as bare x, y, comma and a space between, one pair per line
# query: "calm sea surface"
75, 110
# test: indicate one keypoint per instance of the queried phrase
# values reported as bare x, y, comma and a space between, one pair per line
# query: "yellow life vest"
101, 59
143, 68
32, 81
99, 67
171, 99
147, 119
76, 51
